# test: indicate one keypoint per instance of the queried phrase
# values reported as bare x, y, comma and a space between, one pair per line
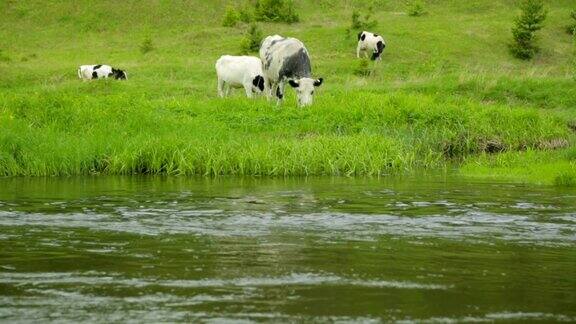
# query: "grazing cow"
238, 72
286, 60
370, 43
89, 72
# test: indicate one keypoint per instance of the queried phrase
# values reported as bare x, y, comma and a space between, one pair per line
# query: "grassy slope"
446, 89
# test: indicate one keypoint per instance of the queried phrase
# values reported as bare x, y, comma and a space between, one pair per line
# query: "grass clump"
364, 69
251, 41
146, 46
526, 25
415, 8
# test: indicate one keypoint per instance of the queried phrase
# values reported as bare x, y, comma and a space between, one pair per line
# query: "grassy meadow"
446, 94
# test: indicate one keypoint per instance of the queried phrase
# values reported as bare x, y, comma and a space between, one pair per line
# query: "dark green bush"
251, 41
276, 11
571, 29
526, 25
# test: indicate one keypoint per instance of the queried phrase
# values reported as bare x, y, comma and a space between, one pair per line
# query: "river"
399, 249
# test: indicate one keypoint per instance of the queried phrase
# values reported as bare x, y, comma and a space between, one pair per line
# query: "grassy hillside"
446, 91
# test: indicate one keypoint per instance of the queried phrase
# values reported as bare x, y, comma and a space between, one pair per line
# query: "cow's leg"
268, 88
358, 48
280, 92
220, 88
226, 89
248, 89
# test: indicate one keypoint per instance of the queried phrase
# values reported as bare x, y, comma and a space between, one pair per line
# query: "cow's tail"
80, 73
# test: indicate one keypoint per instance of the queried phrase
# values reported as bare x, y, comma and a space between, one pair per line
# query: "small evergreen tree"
526, 25
251, 41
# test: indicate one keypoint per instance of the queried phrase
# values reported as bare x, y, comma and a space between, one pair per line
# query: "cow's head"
119, 74
258, 84
305, 89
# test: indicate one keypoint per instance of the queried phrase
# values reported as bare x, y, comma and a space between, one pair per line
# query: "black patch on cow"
279, 94
118, 74
258, 82
360, 35
293, 83
318, 82
379, 48
94, 75
296, 66
96, 67
375, 35
363, 37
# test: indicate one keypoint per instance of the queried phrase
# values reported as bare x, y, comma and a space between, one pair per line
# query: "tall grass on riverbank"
63, 133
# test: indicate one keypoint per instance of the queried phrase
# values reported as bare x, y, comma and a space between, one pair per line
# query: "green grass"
441, 95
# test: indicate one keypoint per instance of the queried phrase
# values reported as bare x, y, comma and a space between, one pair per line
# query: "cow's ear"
318, 82
293, 83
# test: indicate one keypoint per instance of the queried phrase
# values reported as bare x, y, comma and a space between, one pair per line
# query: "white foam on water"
294, 279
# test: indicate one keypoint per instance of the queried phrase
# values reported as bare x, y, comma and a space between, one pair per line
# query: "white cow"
287, 60
370, 43
99, 71
239, 72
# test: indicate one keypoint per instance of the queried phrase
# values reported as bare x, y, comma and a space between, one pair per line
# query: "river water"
149, 249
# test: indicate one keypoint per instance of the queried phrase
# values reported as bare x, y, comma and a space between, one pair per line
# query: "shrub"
146, 45
526, 25
251, 41
359, 23
246, 14
231, 17
571, 29
276, 11
415, 8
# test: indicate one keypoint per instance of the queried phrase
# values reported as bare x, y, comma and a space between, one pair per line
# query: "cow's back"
284, 58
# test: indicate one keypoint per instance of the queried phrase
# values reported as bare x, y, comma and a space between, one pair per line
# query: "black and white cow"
370, 43
287, 60
89, 72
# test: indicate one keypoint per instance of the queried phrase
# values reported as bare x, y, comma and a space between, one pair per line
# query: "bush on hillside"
571, 29
246, 14
526, 25
276, 11
415, 8
231, 17
251, 41
360, 23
